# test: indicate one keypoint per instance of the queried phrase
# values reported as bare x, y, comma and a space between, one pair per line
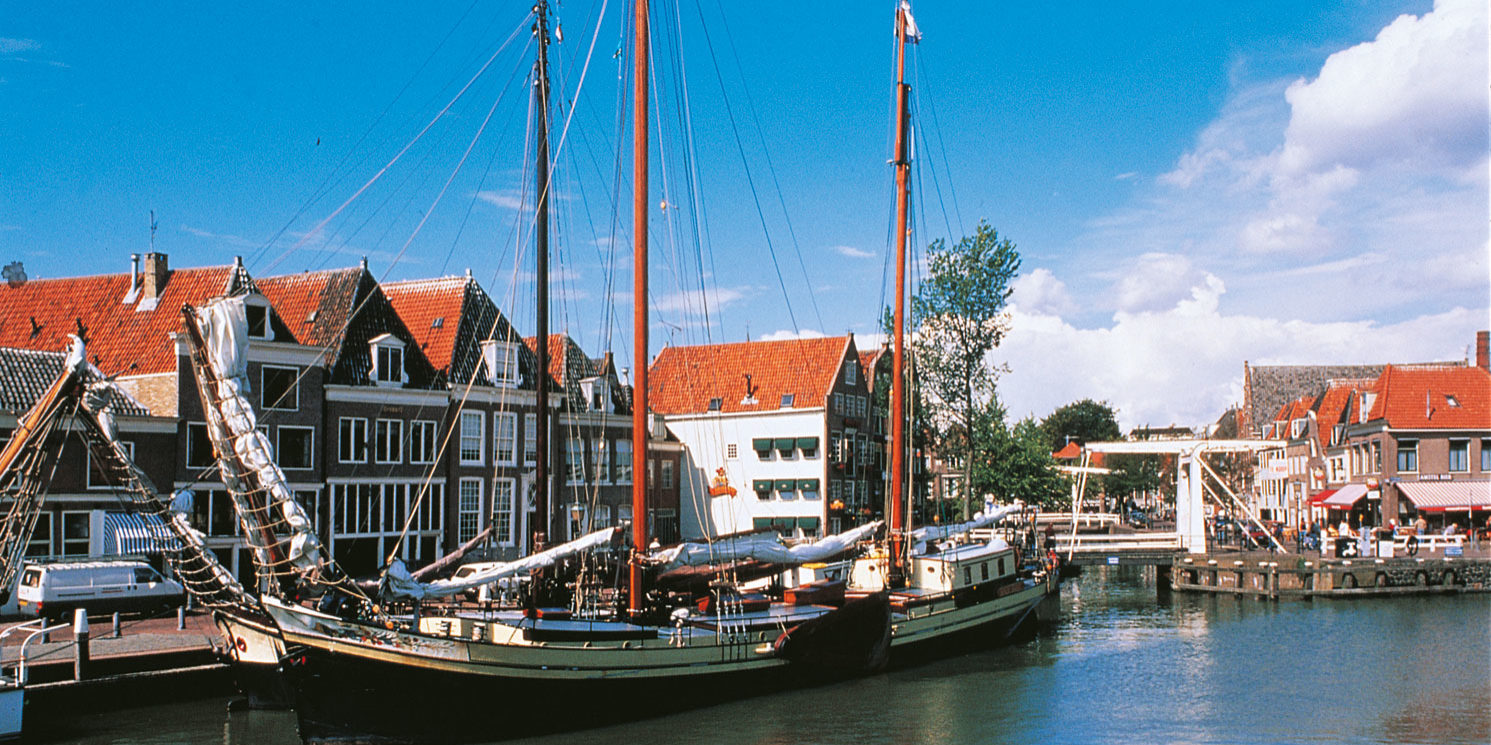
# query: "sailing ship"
949, 590
361, 672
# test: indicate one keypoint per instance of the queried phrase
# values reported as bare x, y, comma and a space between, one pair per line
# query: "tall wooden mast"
898, 367
541, 251
639, 303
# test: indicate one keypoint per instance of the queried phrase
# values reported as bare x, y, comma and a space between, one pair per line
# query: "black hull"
343, 698
993, 632
262, 686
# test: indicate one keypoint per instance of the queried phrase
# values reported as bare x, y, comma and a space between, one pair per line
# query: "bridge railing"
1117, 542
1084, 519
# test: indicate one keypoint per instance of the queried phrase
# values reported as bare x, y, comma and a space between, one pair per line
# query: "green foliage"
1084, 421
1017, 465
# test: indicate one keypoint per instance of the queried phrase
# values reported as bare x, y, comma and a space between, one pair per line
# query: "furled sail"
399, 584
980, 520
767, 547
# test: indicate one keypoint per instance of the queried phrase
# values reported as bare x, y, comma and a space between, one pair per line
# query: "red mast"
639, 306
898, 367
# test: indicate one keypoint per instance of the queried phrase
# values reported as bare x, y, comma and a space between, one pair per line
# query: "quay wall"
1294, 576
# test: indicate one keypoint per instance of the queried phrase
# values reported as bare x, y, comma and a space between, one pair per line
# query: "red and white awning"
1443, 496
1346, 496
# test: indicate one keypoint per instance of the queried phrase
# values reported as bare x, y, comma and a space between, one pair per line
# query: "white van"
54, 590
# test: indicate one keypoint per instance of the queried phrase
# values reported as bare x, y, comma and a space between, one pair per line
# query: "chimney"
154, 277
134, 279
1483, 350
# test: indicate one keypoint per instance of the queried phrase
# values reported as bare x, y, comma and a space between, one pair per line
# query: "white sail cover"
397, 582
980, 520
225, 328
767, 547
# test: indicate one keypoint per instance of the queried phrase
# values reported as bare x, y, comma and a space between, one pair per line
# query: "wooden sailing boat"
359, 673
949, 592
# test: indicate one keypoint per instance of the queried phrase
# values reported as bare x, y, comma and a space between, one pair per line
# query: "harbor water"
1125, 663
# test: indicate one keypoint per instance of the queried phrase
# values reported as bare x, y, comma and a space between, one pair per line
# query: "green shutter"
761, 523
783, 523
807, 485
762, 486
786, 444
807, 443
808, 524
786, 485
761, 444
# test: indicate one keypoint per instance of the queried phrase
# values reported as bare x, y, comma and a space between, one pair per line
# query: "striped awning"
1322, 496
1442, 496
1346, 496
129, 533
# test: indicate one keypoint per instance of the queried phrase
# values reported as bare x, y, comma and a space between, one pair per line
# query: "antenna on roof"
153, 226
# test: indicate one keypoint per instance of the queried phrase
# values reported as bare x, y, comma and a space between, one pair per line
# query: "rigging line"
321, 189
750, 180
920, 134
441, 114
926, 75
696, 197
770, 166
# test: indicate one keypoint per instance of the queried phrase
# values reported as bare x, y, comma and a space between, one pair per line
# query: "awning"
1346, 496
129, 533
1443, 496
1322, 496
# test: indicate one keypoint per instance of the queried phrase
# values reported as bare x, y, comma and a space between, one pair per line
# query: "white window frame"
423, 439
504, 422
268, 334
378, 372
851, 371
1463, 442
288, 405
666, 477
63, 540
600, 450
504, 508
623, 461
347, 451
466, 510
478, 438
280, 451
574, 458
388, 441
129, 446
501, 358
1398, 456
530, 439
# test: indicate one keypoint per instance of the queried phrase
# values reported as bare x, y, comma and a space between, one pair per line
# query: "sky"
1191, 186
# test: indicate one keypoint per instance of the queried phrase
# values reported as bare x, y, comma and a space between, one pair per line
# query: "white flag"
913, 34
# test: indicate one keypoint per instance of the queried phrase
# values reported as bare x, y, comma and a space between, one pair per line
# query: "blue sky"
1191, 185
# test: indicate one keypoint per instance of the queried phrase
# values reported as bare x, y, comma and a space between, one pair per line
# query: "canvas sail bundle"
767, 547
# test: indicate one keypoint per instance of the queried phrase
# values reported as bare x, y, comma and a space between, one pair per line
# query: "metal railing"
1106, 543
36, 628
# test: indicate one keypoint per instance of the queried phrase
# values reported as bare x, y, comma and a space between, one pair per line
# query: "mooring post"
80, 640
114, 632
181, 618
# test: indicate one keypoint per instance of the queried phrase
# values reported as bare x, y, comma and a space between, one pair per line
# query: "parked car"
1138, 518
54, 590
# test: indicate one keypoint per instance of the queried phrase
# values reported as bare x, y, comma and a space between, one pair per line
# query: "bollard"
80, 640
181, 618
115, 631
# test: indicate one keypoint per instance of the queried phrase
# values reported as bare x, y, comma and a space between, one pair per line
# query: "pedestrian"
1421, 526
1050, 537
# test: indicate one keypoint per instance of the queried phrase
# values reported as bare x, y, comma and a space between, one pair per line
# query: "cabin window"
967, 575
984, 570
502, 511
422, 441
279, 388
352, 440
1408, 456
1459, 455
1001, 566
505, 438
623, 461
296, 447
388, 441
473, 424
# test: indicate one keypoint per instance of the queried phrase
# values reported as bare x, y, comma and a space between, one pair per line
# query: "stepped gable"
1267, 388
122, 339
342, 311
1332, 406
1433, 397
867, 362
568, 365
26, 374
683, 380
451, 317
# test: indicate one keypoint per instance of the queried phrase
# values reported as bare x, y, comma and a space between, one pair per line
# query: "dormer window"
388, 361
597, 392
258, 320
502, 362
716, 403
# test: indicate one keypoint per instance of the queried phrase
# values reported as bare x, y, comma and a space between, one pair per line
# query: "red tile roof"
559, 346
682, 380
1457, 397
1330, 410
121, 340
315, 306
431, 308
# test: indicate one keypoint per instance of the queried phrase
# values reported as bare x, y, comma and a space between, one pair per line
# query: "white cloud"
232, 240
1156, 281
695, 302
786, 334
1039, 291
18, 46
504, 200
853, 253
1183, 365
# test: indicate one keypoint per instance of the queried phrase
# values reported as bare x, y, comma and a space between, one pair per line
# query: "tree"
960, 319
1084, 421
1019, 466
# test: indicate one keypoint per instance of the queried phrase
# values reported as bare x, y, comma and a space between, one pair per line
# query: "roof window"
716, 403
438, 323
1452, 401
787, 399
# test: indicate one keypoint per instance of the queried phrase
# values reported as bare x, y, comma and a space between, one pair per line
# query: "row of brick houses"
390, 406
1391, 445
